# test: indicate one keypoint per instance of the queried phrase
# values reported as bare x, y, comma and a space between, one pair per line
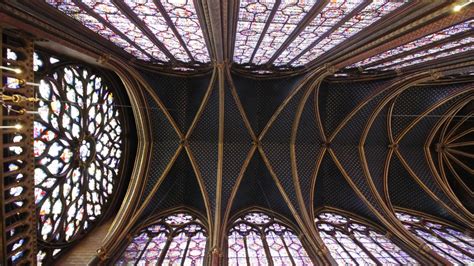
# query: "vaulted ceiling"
290, 105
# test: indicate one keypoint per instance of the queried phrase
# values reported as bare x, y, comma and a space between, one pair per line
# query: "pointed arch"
353, 240
257, 236
177, 235
450, 241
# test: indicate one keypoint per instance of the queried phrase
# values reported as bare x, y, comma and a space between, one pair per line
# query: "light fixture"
17, 127
16, 70
33, 84
461, 4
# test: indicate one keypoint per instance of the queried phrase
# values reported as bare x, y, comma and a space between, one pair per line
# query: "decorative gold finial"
435, 74
104, 58
330, 69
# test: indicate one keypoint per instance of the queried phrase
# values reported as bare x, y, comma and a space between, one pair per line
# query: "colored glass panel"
150, 15
426, 40
288, 15
429, 53
77, 149
369, 15
331, 14
455, 246
184, 17
181, 235
254, 233
182, 14
112, 15
434, 56
351, 242
70, 9
253, 16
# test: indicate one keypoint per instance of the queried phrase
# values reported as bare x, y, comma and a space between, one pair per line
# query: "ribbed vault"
300, 144
291, 130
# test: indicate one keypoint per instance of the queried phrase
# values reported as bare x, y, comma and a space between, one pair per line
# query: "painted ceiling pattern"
277, 34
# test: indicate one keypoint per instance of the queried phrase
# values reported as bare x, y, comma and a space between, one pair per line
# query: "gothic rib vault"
220, 133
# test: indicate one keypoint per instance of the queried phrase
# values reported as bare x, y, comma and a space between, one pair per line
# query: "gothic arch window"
353, 242
452, 244
78, 145
176, 239
257, 238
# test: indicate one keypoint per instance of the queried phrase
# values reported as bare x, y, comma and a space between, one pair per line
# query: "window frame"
274, 218
159, 218
128, 152
424, 217
371, 226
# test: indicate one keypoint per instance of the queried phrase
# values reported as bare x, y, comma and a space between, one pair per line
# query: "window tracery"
332, 13
179, 238
78, 150
174, 24
454, 245
258, 239
72, 10
456, 30
184, 17
351, 242
117, 19
288, 15
449, 49
369, 15
271, 23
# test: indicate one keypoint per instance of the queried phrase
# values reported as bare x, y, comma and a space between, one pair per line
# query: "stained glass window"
258, 239
252, 19
264, 26
177, 239
288, 15
174, 26
454, 245
352, 242
390, 59
72, 10
184, 17
332, 13
369, 15
449, 49
117, 19
78, 149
